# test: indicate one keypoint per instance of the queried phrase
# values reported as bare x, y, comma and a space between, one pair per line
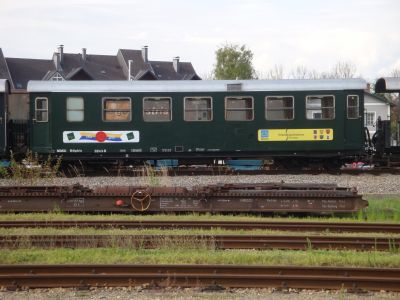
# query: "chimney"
130, 62
145, 54
61, 53
83, 54
368, 88
175, 63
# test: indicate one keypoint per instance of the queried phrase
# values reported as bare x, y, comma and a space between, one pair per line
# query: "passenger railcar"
306, 120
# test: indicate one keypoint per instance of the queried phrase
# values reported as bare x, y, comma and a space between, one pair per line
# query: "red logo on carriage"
101, 136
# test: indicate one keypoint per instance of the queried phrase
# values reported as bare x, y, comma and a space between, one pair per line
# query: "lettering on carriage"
75, 202
75, 150
166, 150
136, 150
100, 150
200, 149
61, 150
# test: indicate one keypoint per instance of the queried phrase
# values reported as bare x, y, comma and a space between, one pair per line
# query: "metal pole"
398, 120
130, 69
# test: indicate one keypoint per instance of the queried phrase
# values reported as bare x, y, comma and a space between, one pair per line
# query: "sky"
288, 33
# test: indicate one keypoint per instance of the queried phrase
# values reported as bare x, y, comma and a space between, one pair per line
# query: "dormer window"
57, 77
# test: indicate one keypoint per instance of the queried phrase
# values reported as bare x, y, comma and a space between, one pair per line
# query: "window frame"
282, 108
57, 77
158, 97
211, 109
322, 119
373, 119
239, 109
41, 109
358, 107
67, 110
103, 110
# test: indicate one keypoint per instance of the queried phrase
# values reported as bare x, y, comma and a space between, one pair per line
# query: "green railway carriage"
4, 90
134, 120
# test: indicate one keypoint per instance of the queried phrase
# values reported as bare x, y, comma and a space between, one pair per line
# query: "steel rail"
302, 226
259, 242
228, 276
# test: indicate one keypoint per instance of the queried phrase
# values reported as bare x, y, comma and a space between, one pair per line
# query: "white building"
375, 107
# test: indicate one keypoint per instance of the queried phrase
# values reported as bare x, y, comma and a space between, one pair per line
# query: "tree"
395, 72
234, 62
344, 69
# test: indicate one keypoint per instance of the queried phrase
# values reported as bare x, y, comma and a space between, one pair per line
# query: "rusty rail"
302, 226
259, 242
261, 197
233, 276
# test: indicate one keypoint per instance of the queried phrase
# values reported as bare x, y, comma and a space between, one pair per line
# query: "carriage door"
3, 123
353, 122
40, 125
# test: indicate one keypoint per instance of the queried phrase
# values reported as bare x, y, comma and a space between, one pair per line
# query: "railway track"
303, 226
14, 277
259, 242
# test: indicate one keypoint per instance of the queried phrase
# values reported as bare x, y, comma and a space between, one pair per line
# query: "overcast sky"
313, 33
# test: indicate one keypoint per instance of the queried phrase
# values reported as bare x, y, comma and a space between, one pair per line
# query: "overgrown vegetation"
31, 167
190, 256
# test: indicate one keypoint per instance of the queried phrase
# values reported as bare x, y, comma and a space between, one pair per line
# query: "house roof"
379, 98
22, 70
99, 67
4, 72
75, 66
197, 86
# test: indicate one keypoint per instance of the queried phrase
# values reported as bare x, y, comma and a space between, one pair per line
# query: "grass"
203, 256
385, 209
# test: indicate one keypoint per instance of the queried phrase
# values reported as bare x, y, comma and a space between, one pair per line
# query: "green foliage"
194, 256
234, 62
31, 167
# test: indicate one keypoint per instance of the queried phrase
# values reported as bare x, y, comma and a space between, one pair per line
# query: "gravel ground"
187, 294
365, 183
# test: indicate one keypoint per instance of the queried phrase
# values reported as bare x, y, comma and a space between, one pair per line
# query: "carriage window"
239, 109
157, 109
75, 110
320, 107
117, 109
198, 109
279, 108
352, 107
42, 110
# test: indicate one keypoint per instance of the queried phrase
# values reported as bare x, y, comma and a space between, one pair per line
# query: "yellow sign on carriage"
295, 135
